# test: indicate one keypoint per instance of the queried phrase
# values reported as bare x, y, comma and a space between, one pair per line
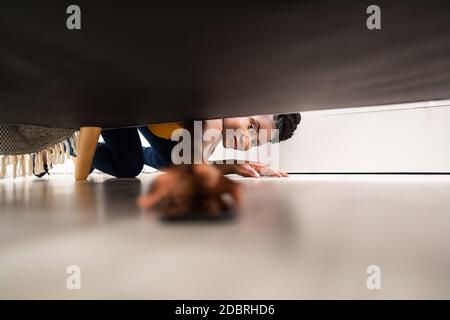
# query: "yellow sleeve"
164, 130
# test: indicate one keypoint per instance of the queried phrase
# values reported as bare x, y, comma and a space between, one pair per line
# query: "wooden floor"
308, 236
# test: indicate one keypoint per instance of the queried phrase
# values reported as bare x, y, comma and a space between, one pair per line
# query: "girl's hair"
286, 124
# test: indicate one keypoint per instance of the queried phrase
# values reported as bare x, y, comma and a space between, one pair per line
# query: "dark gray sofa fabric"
135, 62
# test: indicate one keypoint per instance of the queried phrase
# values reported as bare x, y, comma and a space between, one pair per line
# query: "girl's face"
248, 131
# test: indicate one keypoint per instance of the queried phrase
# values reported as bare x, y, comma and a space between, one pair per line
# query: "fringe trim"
24, 165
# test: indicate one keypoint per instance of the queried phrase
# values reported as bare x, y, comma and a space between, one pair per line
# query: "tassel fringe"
13, 166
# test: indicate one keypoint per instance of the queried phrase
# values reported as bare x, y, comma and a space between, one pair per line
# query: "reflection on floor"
310, 236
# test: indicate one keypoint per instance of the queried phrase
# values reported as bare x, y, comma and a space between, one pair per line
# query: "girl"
122, 155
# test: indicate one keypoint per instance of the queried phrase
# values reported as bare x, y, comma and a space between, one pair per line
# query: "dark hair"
286, 124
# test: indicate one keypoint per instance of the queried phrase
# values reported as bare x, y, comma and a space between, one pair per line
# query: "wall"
398, 138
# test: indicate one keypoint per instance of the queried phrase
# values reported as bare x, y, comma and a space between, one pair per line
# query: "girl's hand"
256, 170
197, 191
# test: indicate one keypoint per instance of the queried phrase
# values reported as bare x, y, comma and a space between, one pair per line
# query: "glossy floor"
308, 236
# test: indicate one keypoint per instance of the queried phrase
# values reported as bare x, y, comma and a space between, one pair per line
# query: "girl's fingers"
230, 187
156, 193
242, 172
251, 171
276, 174
269, 171
148, 201
284, 174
